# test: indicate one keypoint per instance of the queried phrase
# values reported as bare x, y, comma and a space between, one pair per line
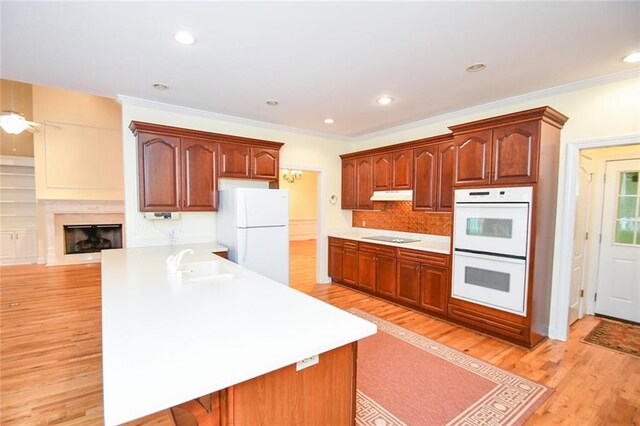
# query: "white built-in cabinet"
18, 238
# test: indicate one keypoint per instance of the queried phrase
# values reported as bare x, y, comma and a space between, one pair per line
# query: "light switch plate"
307, 362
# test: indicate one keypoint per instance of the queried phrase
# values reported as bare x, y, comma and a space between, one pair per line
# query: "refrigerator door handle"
244, 246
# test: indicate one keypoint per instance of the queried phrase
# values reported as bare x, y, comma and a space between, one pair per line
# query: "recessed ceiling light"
384, 100
272, 103
160, 86
632, 58
328, 121
184, 37
476, 67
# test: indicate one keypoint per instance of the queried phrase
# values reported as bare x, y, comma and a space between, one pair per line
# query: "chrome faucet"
173, 261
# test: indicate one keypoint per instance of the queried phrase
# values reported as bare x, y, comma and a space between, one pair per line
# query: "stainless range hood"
405, 195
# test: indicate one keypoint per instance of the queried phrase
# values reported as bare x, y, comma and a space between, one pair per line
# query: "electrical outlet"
307, 362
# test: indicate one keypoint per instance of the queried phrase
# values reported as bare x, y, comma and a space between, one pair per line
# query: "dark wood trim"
546, 114
141, 126
400, 146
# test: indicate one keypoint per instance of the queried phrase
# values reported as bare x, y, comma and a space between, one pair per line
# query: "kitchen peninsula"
227, 332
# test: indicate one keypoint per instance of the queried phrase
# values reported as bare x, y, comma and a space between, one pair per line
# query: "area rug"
617, 336
407, 379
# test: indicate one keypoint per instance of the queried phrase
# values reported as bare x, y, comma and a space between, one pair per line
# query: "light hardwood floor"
50, 351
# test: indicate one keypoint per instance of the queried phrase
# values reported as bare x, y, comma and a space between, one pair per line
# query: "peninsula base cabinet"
322, 394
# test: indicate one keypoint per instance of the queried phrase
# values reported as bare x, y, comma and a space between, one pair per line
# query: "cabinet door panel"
364, 184
425, 185
234, 161
199, 178
381, 172
473, 158
515, 154
335, 263
386, 276
408, 282
433, 288
264, 163
7, 245
350, 266
159, 172
446, 163
402, 168
367, 271
349, 183
26, 244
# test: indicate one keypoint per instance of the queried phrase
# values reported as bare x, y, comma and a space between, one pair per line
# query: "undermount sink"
206, 270
387, 239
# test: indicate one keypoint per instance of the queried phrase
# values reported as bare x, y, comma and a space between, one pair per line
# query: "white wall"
599, 109
303, 151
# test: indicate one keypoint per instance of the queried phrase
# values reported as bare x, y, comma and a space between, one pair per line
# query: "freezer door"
265, 251
262, 207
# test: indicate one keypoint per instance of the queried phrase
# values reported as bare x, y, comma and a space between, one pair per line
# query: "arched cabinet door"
446, 164
199, 179
515, 153
425, 186
473, 158
349, 183
381, 172
234, 161
264, 163
402, 168
364, 182
159, 172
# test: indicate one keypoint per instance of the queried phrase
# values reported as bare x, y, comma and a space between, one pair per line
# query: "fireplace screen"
91, 238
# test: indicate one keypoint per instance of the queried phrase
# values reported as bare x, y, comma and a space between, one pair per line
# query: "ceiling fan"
14, 122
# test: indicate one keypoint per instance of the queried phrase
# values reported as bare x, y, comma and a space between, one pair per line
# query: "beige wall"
78, 152
303, 196
16, 96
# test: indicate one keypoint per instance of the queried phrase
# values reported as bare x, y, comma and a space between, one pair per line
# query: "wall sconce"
291, 175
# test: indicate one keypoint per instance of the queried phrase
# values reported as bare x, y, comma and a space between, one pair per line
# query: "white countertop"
167, 341
428, 242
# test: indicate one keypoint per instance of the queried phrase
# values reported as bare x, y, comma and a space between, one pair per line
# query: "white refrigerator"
254, 224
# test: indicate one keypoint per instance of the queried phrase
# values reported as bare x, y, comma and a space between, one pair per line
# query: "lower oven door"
495, 281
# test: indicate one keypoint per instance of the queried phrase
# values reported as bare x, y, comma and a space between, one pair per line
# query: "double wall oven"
492, 228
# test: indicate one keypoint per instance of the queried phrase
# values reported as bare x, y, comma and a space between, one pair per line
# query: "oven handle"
496, 257
474, 205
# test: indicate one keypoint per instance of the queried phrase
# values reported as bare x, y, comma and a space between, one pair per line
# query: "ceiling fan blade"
32, 129
33, 123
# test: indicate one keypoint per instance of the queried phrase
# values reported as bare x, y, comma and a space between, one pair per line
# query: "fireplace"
92, 238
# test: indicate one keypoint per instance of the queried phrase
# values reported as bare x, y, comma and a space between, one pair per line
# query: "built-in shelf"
18, 201
16, 215
19, 188
17, 174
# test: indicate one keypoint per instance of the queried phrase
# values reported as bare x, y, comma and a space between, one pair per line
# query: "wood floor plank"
51, 362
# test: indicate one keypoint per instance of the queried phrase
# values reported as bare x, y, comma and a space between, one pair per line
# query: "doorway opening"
303, 186
605, 263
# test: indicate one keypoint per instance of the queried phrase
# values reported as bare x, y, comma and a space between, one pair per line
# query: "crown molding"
194, 112
564, 88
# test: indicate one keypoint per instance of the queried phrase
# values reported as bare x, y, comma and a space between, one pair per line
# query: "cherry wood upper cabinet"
199, 177
425, 185
402, 169
159, 172
364, 182
515, 153
446, 166
349, 183
473, 158
381, 172
234, 161
264, 163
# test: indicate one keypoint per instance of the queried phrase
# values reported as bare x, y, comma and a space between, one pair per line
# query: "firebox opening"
92, 238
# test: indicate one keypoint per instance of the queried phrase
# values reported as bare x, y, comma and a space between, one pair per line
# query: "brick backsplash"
399, 216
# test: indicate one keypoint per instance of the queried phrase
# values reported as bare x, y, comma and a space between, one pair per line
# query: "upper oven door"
501, 228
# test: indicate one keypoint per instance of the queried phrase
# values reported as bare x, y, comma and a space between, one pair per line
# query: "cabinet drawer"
335, 241
378, 249
489, 322
349, 244
435, 259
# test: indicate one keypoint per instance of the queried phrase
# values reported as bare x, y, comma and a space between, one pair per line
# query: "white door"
26, 244
7, 246
619, 273
583, 202
265, 251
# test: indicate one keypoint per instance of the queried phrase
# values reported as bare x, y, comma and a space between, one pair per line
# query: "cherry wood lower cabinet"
323, 394
417, 279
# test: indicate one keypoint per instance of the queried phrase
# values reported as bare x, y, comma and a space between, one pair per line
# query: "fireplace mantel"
74, 212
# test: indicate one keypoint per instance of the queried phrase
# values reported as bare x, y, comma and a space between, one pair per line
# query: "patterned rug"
407, 379
617, 336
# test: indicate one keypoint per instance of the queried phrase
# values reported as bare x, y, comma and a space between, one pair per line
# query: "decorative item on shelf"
333, 199
291, 175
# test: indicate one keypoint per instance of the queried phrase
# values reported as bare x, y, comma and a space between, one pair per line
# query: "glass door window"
626, 224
